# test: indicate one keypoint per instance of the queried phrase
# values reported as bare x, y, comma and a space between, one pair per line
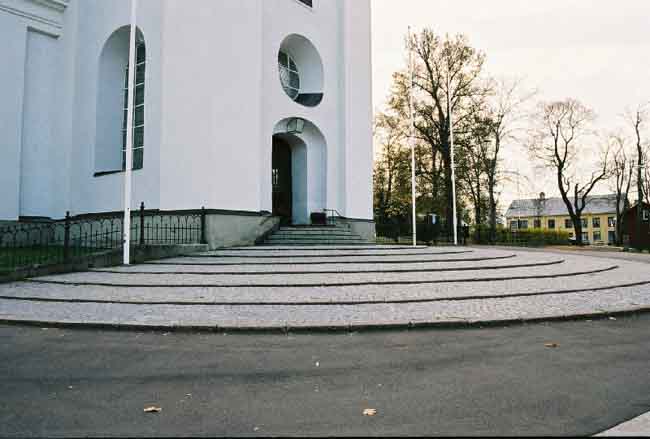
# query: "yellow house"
598, 217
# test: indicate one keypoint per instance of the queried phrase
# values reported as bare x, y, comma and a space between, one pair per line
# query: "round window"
289, 75
301, 71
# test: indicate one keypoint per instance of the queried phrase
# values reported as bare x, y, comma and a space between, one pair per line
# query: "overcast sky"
597, 51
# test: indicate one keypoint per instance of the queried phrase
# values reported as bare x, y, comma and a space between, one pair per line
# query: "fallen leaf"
369, 412
551, 345
152, 409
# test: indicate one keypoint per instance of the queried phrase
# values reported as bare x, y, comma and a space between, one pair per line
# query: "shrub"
526, 238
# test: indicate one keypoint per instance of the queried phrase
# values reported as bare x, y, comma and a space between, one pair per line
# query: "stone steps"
545, 271
602, 284
345, 317
349, 287
314, 235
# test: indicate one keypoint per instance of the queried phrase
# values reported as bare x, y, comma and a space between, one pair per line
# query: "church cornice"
41, 12
57, 5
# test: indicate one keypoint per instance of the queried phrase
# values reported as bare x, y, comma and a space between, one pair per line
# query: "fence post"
142, 224
203, 237
66, 239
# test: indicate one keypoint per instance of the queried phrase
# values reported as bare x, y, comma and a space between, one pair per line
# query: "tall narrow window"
596, 222
138, 109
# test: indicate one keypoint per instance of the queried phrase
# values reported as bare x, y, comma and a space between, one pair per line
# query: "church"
249, 108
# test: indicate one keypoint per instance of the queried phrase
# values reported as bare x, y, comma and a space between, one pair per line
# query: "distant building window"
597, 236
585, 236
289, 75
596, 223
646, 215
538, 224
611, 221
523, 224
611, 237
138, 110
551, 224
568, 224
585, 223
513, 225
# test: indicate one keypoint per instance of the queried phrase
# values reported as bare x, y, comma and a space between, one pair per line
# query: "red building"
630, 229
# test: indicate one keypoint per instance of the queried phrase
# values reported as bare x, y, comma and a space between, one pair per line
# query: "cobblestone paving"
472, 285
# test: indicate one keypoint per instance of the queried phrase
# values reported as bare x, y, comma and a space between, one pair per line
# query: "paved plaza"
500, 381
281, 288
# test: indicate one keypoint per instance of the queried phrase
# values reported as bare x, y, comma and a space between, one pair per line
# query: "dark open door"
282, 181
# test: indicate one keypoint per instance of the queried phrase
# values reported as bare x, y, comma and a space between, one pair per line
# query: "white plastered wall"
32, 109
99, 20
213, 99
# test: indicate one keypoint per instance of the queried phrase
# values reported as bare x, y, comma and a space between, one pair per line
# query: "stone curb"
389, 261
321, 303
638, 426
212, 255
291, 273
439, 325
326, 285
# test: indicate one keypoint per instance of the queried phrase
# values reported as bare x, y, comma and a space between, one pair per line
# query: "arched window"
138, 109
289, 75
112, 103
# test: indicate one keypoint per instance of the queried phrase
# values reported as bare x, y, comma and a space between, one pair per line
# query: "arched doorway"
282, 181
299, 171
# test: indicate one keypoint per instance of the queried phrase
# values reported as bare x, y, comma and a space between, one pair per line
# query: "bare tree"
622, 172
646, 178
390, 136
472, 171
556, 142
637, 119
446, 70
504, 111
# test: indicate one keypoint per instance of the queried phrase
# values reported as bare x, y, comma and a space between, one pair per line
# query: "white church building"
249, 108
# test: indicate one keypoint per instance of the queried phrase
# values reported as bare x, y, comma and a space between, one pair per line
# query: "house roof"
596, 204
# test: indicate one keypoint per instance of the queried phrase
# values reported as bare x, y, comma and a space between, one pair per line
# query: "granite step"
345, 317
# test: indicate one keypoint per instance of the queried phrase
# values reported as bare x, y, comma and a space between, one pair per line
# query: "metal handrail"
332, 214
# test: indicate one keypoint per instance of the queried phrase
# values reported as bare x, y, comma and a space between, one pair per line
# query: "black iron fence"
427, 233
74, 238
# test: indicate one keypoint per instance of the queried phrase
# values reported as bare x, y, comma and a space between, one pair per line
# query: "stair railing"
334, 217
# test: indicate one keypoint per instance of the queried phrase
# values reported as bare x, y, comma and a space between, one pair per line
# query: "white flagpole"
129, 136
451, 144
412, 141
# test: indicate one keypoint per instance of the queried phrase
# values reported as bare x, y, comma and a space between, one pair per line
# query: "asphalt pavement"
570, 378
